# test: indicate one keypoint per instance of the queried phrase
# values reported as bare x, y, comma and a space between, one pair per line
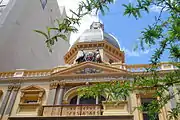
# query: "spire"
97, 23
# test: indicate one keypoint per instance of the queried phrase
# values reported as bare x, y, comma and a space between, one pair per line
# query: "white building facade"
20, 46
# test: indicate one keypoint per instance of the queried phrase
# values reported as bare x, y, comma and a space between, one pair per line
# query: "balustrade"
130, 68
72, 110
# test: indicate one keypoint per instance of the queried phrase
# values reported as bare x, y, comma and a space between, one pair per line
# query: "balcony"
75, 112
72, 110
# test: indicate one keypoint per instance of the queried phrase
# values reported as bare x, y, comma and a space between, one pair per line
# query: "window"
73, 100
145, 102
90, 100
31, 95
31, 98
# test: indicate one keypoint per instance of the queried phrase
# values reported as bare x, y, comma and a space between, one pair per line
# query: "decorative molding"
10, 87
62, 84
78, 67
53, 85
88, 70
16, 87
33, 89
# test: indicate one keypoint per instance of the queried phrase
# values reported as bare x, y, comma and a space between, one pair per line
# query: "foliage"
163, 35
113, 91
61, 30
1, 5
161, 85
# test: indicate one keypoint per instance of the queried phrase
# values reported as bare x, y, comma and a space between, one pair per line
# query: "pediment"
32, 88
88, 68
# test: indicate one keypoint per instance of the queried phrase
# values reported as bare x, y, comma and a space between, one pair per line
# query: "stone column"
5, 100
61, 94
52, 93
78, 100
97, 100
12, 100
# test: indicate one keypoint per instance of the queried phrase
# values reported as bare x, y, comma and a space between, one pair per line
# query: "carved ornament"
90, 56
16, 87
10, 87
62, 84
31, 90
53, 85
88, 70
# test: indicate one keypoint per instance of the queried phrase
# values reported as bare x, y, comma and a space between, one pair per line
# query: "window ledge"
29, 104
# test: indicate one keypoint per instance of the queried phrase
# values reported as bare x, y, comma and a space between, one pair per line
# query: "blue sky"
127, 30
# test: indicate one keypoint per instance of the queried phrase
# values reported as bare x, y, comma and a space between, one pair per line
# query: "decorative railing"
24, 73
145, 67
43, 73
72, 110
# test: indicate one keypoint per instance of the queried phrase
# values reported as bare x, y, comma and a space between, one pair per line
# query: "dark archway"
74, 100
89, 100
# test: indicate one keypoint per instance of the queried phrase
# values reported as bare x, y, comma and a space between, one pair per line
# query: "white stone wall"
20, 46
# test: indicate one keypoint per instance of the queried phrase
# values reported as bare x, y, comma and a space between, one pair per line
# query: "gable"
32, 88
88, 68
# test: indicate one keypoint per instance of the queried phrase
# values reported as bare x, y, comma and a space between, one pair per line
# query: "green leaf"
42, 33
62, 36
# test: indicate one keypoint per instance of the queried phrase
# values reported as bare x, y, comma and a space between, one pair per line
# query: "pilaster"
5, 100
12, 99
61, 93
52, 93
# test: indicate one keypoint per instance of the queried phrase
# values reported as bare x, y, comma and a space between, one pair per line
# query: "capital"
10, 87
16, 87
62, 84
53, 85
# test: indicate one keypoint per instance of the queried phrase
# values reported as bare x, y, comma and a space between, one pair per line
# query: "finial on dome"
97, 25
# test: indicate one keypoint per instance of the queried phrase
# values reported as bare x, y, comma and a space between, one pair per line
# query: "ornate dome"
96, 33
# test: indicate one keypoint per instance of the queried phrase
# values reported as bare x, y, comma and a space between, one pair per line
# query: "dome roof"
96, 34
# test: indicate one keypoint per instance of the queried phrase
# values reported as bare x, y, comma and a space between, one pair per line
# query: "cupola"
95, 41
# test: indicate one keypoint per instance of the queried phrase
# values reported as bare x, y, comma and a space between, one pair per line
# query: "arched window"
90, 100
74, 100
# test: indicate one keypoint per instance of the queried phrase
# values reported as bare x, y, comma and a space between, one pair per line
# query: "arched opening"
74, 100
89, 100
101, 98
